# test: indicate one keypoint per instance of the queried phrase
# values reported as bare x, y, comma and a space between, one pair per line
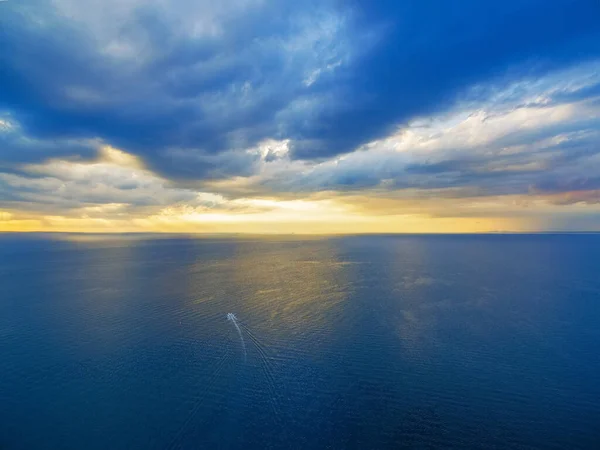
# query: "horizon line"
226, 233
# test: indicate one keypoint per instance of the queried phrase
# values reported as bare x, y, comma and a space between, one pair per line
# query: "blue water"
364, 342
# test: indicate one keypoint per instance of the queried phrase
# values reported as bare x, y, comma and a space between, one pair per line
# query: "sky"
329, 116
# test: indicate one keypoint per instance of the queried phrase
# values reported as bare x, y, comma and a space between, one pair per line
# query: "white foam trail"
232, 318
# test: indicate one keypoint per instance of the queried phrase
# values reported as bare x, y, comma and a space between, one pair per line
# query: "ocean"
353, 342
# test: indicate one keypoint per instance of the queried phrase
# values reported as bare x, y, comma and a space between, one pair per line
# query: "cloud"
513, 144
162, 79
434, 52
16, 148
140, 114
113, 184
177, 83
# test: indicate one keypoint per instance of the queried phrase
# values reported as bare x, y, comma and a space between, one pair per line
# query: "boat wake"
231, 317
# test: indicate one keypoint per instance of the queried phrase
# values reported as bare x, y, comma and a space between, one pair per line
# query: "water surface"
366, 342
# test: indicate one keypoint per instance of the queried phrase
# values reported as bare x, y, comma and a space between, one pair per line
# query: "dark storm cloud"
16, 149
204, 95
329, 76
433, 51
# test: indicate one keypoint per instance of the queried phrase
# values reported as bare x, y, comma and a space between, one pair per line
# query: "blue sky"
277, 116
